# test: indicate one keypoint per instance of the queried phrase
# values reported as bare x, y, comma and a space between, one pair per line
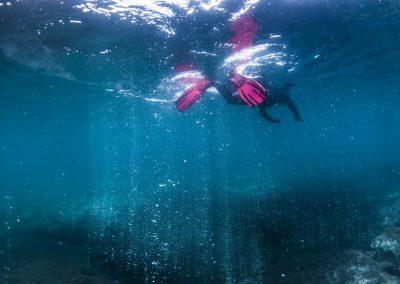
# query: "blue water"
98, 166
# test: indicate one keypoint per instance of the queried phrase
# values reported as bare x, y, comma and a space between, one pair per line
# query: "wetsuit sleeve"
266, 116
292, 106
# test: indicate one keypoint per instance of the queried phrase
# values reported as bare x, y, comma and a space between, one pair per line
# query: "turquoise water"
103, 180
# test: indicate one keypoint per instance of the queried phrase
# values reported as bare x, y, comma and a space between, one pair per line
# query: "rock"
388, 241
360, 267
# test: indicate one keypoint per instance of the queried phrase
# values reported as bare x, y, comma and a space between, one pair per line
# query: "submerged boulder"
362, 267
388, 241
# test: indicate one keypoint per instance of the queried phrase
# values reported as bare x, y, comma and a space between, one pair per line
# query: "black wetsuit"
275, 96
279, 96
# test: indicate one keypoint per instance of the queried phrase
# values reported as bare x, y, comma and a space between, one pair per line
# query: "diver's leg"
292, 106
265, 115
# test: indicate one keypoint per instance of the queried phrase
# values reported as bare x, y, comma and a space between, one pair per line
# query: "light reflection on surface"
259, 56
153, 12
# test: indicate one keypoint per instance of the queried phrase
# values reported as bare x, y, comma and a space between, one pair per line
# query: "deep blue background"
216, 190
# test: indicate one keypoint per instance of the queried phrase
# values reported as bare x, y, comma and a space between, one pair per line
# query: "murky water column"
108, 167
239, 253
129, 198
162, 205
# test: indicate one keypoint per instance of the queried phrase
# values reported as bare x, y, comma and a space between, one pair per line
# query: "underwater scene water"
107, 177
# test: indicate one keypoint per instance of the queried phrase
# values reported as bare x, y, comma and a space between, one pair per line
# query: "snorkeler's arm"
292, 106
266, 116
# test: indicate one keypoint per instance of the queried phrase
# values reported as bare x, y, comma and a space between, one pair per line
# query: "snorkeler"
249, 91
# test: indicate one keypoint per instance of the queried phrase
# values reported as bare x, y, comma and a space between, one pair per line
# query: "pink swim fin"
251, 92
191, 95
244, 29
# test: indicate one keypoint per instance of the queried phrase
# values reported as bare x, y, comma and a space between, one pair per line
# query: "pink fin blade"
244, 97
244, 29
188, 98
191, 95
250, 91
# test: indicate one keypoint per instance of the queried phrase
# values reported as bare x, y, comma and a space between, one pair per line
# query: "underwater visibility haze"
113, 171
